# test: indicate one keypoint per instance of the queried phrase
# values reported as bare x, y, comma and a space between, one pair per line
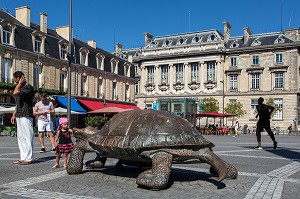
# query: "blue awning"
63, 102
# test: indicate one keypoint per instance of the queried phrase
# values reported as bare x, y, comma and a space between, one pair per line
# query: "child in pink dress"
65, 144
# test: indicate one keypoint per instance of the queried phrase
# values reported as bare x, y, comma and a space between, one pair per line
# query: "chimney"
118, 49
247, 33
148, 38
227, 28
63, 31
92, 43
43, 22
23, 15
292, 33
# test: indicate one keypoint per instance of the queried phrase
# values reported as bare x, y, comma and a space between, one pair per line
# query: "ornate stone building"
210, 64
97, 76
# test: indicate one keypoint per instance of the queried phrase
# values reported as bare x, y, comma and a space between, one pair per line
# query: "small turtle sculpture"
149, 136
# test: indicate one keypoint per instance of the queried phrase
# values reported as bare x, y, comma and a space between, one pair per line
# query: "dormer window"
6, 35
136, 54
212, 37
63, 51
114, 65
234, 45
38, 42
152, 44
100, 61
256, 42
196, 39
279, 40
84, 53
167, 42
181, 41
127, 67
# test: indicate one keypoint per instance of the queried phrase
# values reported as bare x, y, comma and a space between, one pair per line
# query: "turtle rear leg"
75, 162
158, 176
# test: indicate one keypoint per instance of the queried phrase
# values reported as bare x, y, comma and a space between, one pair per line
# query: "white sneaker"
258, 147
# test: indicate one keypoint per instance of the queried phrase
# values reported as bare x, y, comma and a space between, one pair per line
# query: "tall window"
150, 77
255, 59
126, 93
62, 81
233, 61
278, 106
37, 44
63, 51
83, 85
114, 91
99, 88
278, 80
255, 81
233, 84
164, 74
179, 73
6, 70
254, 103
6, 35
135, 70
194, 72
278, 58
211, 71
37, 76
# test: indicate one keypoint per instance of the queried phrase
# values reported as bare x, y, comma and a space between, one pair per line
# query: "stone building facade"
41, 53
230, 69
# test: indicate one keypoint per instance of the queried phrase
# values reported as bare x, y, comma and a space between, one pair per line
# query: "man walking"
24, 116
264, 112
43, 109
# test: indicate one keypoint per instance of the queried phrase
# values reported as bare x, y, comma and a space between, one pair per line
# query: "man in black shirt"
264, 112
23, 114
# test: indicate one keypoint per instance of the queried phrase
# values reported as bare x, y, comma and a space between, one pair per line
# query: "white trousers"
25, 137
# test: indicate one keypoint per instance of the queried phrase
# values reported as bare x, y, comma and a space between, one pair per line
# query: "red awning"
213, 114
95, 105
124, 106
92, 105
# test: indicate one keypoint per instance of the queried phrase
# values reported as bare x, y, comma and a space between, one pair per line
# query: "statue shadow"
177, 175
43, 159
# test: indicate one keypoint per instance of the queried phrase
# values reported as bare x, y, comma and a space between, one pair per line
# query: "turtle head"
84, 133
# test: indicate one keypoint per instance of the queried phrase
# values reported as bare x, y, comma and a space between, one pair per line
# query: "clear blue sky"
120, 21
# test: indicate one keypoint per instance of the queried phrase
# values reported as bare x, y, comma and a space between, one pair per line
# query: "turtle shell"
139, 130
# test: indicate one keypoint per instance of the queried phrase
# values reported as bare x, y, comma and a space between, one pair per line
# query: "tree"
210, 105
235, 108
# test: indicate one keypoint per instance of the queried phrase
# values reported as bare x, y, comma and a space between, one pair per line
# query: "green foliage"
6, 85
235, 108
210, 105
50, 91
95, 121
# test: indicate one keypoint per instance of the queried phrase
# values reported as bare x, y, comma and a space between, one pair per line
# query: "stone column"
143, 79
218, 73
171, 75
156, 78
186, 76
202, 71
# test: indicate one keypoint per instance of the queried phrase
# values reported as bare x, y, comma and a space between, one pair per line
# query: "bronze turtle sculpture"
150, 136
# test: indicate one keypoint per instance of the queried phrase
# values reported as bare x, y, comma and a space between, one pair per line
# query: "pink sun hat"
63, 120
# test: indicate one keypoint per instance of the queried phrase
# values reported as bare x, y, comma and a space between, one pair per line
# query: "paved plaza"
263, 173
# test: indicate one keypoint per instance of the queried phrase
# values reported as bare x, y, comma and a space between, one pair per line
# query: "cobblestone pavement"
263, 173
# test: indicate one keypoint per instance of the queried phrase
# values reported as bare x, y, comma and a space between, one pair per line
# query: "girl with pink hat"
65, 144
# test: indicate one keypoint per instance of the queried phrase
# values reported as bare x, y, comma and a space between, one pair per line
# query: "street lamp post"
223, 98
69, 66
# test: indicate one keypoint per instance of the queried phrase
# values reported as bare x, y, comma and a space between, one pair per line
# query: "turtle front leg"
158, 176
75, 162
217, 164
